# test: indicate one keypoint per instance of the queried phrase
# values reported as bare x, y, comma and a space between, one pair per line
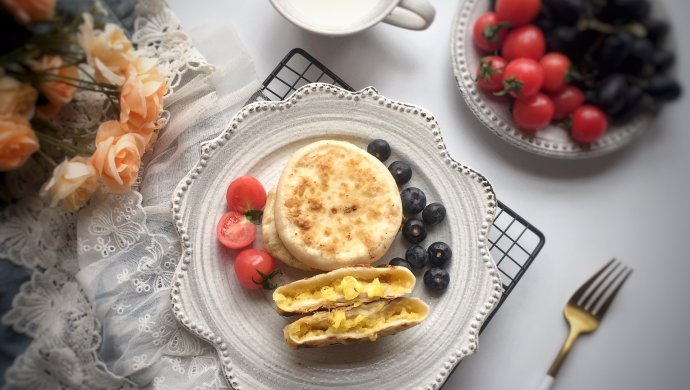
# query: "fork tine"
580, 291
598, 296
606, 278
605, 306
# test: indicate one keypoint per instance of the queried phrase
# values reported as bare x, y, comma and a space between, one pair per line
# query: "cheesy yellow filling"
342, 321
345, 289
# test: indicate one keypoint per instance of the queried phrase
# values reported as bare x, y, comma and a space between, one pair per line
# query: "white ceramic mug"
344, 17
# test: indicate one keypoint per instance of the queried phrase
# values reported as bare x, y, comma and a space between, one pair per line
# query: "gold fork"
586, 308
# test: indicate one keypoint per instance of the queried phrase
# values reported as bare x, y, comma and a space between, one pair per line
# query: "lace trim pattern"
158, 34
113, 229
144, 263
35, 236
52, 307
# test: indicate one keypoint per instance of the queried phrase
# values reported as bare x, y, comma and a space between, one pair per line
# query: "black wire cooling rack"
514, 242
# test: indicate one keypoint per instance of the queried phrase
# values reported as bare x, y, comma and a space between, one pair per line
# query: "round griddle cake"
336, 206
272, 243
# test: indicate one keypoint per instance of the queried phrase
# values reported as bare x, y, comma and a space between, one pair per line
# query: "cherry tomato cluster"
246, 198
522, 68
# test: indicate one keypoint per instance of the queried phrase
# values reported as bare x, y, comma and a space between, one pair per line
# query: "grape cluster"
617, 49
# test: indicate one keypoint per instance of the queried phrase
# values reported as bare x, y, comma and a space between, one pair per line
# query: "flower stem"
89, 136
115, 105
71, 81
58, 143
79, 82
46, 157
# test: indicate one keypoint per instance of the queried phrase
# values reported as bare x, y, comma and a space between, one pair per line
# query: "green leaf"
491, 32
566, 123
486, 70
573, 75
510, 84
254, 216
266, 283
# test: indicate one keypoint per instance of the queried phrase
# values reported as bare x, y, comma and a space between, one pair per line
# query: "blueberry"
414, 231
400, 262
379, 149
417, 256
439, 254
436, 279
401, 171
413, 200
434, 213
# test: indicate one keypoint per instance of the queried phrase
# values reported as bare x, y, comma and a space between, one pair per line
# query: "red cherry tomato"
522, 78
589, 124
556, 68
488, 32
517, 12
566, 101
235, 231
254, 269
533, 113
524, 42
490, 73
246, 193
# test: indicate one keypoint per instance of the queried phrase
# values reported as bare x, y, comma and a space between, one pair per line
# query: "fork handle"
573, 334
546, 383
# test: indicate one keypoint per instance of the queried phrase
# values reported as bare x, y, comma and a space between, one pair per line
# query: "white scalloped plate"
494, 112
243, 326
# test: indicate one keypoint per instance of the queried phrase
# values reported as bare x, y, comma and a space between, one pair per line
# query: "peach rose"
58, 92
141, 99
17, 98
27, 11
117, 156
109, 51
17, 142
108, 129
48, 110
73, 182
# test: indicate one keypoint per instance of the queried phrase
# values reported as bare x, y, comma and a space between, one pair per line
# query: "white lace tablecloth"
97, 304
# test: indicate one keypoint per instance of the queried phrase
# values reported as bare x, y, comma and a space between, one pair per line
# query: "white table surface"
632, 205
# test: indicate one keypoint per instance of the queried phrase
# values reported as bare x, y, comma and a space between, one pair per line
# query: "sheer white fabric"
97, 304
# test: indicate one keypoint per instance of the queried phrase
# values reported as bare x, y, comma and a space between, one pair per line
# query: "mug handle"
412, 15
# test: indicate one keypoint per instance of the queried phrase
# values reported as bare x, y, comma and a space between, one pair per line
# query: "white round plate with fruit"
244, 325
567, 79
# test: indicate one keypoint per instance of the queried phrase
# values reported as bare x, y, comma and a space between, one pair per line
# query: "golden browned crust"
271, 240
337, 206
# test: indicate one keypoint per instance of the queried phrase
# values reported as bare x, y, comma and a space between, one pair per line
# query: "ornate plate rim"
624, 134
493, 288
